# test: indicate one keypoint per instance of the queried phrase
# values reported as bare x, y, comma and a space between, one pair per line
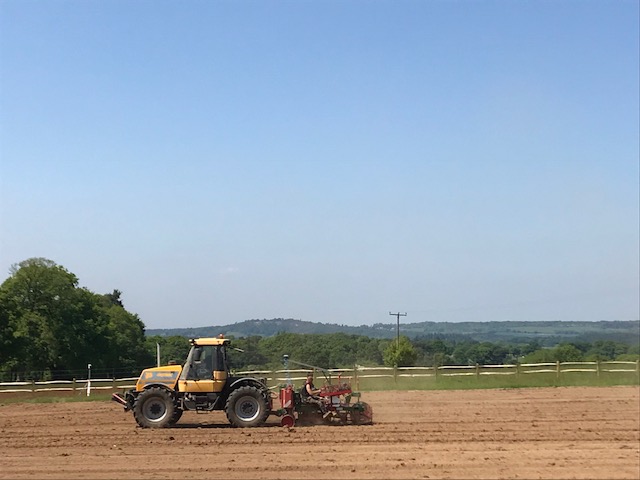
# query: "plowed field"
549, 433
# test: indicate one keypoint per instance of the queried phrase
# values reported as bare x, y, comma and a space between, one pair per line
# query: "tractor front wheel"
154, 408
177, 414
247, 407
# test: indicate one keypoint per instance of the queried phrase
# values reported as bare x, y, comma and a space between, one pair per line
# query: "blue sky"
218, 161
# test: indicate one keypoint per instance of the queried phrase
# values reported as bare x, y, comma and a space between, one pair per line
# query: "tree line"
340, 350
547, 333
52, 328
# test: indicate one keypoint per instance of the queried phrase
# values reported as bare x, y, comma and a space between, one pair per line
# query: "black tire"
247, 407
177, 414
154, 408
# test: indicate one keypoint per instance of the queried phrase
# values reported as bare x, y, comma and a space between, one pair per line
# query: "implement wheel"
362, 414
154, 408
288, 421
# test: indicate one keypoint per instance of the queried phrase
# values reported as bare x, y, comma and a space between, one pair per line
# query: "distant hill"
547, 333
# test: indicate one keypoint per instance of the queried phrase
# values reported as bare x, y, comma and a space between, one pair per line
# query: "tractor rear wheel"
154, 408
247, 407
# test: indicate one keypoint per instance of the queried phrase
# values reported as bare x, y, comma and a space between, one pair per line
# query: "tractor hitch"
118, 399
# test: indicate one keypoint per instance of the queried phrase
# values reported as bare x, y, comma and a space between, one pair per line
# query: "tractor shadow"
216, 426
269, 425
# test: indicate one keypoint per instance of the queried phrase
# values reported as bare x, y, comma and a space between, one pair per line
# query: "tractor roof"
209, 341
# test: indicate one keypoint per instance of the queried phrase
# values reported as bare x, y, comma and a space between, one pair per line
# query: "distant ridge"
627, 331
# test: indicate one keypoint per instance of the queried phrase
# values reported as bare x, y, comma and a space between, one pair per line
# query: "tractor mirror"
197, 353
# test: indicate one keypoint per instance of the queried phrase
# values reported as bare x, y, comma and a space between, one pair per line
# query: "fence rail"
76, 385
358, 373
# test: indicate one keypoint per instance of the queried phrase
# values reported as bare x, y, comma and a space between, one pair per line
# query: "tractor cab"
207, 367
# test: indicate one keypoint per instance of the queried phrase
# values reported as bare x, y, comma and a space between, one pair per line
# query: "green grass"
401, 383
53, 397
499, 381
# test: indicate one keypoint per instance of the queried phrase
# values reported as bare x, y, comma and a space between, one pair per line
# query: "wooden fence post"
598, 368
74, 385
477, 370
356, 380
557, 368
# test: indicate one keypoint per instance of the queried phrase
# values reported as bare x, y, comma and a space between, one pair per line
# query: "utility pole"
398, 315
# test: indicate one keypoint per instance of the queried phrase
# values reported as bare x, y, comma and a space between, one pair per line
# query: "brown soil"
549, 433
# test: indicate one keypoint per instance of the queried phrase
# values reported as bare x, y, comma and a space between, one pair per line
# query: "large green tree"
47, 310
124, 334
50, 324
8, 341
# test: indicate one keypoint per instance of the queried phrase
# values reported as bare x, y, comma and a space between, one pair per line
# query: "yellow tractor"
203, 383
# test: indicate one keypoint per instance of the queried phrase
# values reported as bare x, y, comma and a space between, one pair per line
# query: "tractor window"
196, 354
203, 361
222, 361
201, 367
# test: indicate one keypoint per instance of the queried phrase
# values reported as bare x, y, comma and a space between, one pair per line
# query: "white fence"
361, 373
355, 375
68, 385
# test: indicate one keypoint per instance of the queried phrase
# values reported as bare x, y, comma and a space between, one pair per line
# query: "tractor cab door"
205, 370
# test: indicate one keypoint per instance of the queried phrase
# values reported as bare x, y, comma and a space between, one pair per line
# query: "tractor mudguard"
240, 381
147, 386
